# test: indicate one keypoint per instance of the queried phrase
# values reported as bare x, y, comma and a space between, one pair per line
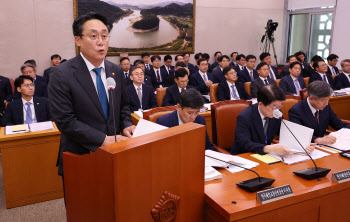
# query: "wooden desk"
341, 106
207, 116
29, 167
312, 201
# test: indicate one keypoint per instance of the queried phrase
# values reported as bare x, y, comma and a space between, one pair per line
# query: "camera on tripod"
270, 28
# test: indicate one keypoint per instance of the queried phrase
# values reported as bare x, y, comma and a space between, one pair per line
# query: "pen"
282, 158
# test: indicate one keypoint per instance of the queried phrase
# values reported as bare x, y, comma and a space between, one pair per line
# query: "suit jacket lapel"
309, 115
257, 122
227, 91
37, 109
19, 107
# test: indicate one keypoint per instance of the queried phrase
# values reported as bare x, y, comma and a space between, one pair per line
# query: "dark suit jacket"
150, 67
152, 74
214, 64
172, 94
308, 71
39, 78
47, 75
40, 90
148, 97
335, 69
171, 120
243, 75
233, 64
190, 66
5, 89
223, 91
219, 76
172, 69
316, 76
197, 81
14, 111
256, 84
238, 70
341, 81
275, 70
250, 136
287, 85
301, 113
285, 71
128, 81
76, 109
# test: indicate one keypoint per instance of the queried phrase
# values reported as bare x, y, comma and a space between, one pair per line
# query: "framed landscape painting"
154, 26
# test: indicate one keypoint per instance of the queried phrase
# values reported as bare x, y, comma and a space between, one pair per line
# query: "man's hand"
208, 83
310, 148
128, 131
278, 149
110, 139
326, 140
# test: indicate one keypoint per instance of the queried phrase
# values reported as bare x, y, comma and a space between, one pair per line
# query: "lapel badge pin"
113, 73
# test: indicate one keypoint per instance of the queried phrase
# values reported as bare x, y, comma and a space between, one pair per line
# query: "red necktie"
158, 76
316, 117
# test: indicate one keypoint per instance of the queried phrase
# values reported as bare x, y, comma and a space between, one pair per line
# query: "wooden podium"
126, 180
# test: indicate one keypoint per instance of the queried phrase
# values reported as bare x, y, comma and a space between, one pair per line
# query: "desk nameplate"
278, 193
341, 176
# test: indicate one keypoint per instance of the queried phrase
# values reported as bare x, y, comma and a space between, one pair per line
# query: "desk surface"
220, 193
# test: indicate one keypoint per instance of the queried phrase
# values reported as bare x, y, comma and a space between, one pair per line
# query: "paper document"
343, 139
35, 127
23, 128
297, 158
211, 174
266, 158
145, 127
302, 133
139, 113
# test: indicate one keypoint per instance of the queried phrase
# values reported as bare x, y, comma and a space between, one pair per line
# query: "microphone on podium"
309, 173
111, 86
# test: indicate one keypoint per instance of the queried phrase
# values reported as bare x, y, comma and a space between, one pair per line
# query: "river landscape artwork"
157, 26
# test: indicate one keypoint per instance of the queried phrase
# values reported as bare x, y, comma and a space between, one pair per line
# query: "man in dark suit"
309, 69
273, 71
55, 61
141, 96
125, 64
187, 110
36, 77
79, 97
171, 97
343, 80
231, 89
332, 61
27, 109
241, 63
301, 58
224, 61
169, 69
202, 79
189, 65
315, 112
157, 75
293, 83
146, 59
140, 64
206, 56
256, 127
262, 80
5, 94
285, 70
197, 56
233, 57
216, 63
249, 73
321, 73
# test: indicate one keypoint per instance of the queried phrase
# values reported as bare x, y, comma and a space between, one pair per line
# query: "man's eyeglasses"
94, 37
28, 85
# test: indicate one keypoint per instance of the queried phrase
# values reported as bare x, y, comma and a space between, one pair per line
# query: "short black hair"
264, 55
227, 69
315, 58
300, 53
250, 57
319, 89
154, 57
332, 56
63, 60
200, 60
180, 64
293, 64
55, 56
197, 55
167, 57
223, 57
261, 65
315, 64
124, 58
233, 53
270, 93
145, 54
191, 98
30, 61
178, 56
78, 24
240, 56
186, 54
290, 57
138, 61
180, 73
206, 56
20, 80
217, 53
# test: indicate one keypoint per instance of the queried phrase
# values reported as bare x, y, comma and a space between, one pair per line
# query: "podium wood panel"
341, 106
125, 180
29, 167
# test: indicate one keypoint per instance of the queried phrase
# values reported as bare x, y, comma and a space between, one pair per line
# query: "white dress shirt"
313, 110
323, 77
160, 76
33, 117
202, 75
180, 121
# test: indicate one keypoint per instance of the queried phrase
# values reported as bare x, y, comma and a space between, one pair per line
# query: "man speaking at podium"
79, 100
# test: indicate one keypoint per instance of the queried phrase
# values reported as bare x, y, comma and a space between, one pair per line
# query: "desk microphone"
111, 86
309, 173
251, 185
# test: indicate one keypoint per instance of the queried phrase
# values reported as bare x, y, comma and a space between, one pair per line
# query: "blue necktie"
297, 87
234, 94
101, 91
324, 78
266, 82
28, 113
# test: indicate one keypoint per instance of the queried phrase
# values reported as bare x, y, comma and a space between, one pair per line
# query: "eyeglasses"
274, 108
94, 37
138, 74
28, 85
183, 81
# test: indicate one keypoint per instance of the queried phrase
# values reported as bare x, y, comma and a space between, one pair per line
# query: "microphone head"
110, 83
277, 114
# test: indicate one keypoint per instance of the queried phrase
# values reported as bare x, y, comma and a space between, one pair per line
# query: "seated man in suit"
36, 77
273, 71
315, 112
28, 69
293, 83
321, 73
202, 79
309, 69
141, 96
157, 75
145, 58
231, 89
125, 64
171, 97
5, 95
332, 61
249, 73
179, 58
285, 70
256, 127
206, 56
27, 109
343, 80
187, 110
224, 61
216, 63
169, 69
263, 71
301, 55
140, 64
241, 62
189, 65
197, 56
234, 61
55, 61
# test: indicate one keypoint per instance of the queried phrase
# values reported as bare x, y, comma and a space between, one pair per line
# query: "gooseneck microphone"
251, 185
111, 86
310, 173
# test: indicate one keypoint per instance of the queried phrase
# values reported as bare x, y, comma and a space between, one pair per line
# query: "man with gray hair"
343, 80
315, 112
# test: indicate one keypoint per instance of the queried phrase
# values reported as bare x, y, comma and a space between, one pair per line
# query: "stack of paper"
297, 158
343, 139
35, 127
145, 127
211, 174
23, 128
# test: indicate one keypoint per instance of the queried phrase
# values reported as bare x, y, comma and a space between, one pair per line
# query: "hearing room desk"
29, 167
312, 201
